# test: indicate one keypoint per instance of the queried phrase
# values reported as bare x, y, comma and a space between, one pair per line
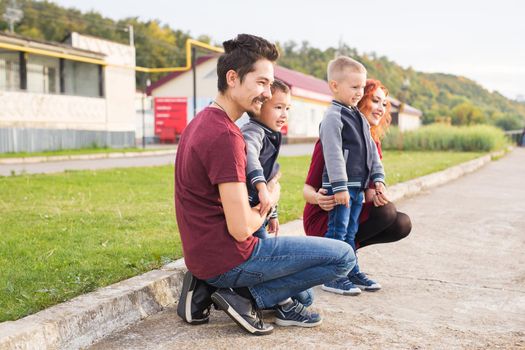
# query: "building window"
9, 70
43, 74
82, 79
20, 71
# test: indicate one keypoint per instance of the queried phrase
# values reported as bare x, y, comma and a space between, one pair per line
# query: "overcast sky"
483, 40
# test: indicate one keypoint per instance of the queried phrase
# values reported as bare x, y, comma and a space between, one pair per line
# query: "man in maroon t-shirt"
215, 219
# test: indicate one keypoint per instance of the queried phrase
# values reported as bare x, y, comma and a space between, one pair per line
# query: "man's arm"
242, 221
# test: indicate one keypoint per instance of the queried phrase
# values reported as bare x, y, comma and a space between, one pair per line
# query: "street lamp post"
144, 95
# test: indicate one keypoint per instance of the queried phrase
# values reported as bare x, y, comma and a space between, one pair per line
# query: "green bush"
439, 137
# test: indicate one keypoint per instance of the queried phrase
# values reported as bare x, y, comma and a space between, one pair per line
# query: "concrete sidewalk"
457, 281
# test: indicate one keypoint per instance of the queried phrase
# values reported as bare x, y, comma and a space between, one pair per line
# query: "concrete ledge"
31, 160
89, 318
412, 187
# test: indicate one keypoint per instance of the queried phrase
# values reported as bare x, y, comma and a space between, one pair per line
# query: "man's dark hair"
240, 54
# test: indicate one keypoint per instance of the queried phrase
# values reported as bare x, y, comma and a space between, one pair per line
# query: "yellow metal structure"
189, 43
77, 58
50, 53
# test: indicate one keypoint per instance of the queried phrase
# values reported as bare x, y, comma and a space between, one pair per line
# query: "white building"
310, 96
404, 116
75, 94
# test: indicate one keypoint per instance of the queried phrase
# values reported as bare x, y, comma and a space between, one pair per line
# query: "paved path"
107, 163
458, 281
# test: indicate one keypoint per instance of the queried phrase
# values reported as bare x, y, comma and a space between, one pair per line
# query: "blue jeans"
261, 232
343, 222
282, 267
305, 297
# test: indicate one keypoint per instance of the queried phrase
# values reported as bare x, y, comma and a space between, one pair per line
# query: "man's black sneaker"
296, 315
241, 310
195, 300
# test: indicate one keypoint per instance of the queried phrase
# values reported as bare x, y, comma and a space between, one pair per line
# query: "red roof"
300, 80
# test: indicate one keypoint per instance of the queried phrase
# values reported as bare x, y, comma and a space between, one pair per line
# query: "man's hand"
324, 201
342, 198
270, 185
380, 197
273, 226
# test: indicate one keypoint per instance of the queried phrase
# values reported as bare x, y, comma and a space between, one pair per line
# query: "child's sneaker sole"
287, 323
372, 288
352, 292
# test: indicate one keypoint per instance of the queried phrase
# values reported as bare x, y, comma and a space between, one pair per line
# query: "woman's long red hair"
365, 106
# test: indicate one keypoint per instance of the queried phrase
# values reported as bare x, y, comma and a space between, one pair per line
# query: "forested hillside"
441, 97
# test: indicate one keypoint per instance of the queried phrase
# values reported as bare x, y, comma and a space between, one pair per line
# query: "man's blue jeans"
343, 222
305, 297
282, 267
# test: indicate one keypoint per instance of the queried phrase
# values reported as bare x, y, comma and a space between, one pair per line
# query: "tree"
437, 95
467, 114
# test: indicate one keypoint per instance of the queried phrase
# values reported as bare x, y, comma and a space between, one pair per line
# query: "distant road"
108, 163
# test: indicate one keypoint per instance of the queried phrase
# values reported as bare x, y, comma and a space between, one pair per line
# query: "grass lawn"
74, 152
67, 234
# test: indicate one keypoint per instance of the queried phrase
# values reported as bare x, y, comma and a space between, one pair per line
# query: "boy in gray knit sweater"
263, 141
351, 161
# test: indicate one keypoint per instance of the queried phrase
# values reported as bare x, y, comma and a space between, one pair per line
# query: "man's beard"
261, 99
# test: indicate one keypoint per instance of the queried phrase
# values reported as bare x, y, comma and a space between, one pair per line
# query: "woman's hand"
369, 195
380, 198
324, 201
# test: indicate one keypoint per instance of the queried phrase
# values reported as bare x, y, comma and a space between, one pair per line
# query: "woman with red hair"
379, 221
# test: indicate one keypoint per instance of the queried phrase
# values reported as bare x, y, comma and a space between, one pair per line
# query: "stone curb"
88, 318
415, 186
43, 159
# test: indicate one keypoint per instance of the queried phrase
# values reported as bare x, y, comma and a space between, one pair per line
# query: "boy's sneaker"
195, 300
241, 311
363, 282
341, 286
296, 315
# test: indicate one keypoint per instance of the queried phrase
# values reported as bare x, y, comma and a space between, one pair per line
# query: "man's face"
350, 88
255, 87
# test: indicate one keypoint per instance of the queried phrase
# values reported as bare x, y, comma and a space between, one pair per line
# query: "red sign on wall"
170, 117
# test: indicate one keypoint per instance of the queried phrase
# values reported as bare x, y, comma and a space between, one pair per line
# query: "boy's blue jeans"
343, 222
282, 267
261, 232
